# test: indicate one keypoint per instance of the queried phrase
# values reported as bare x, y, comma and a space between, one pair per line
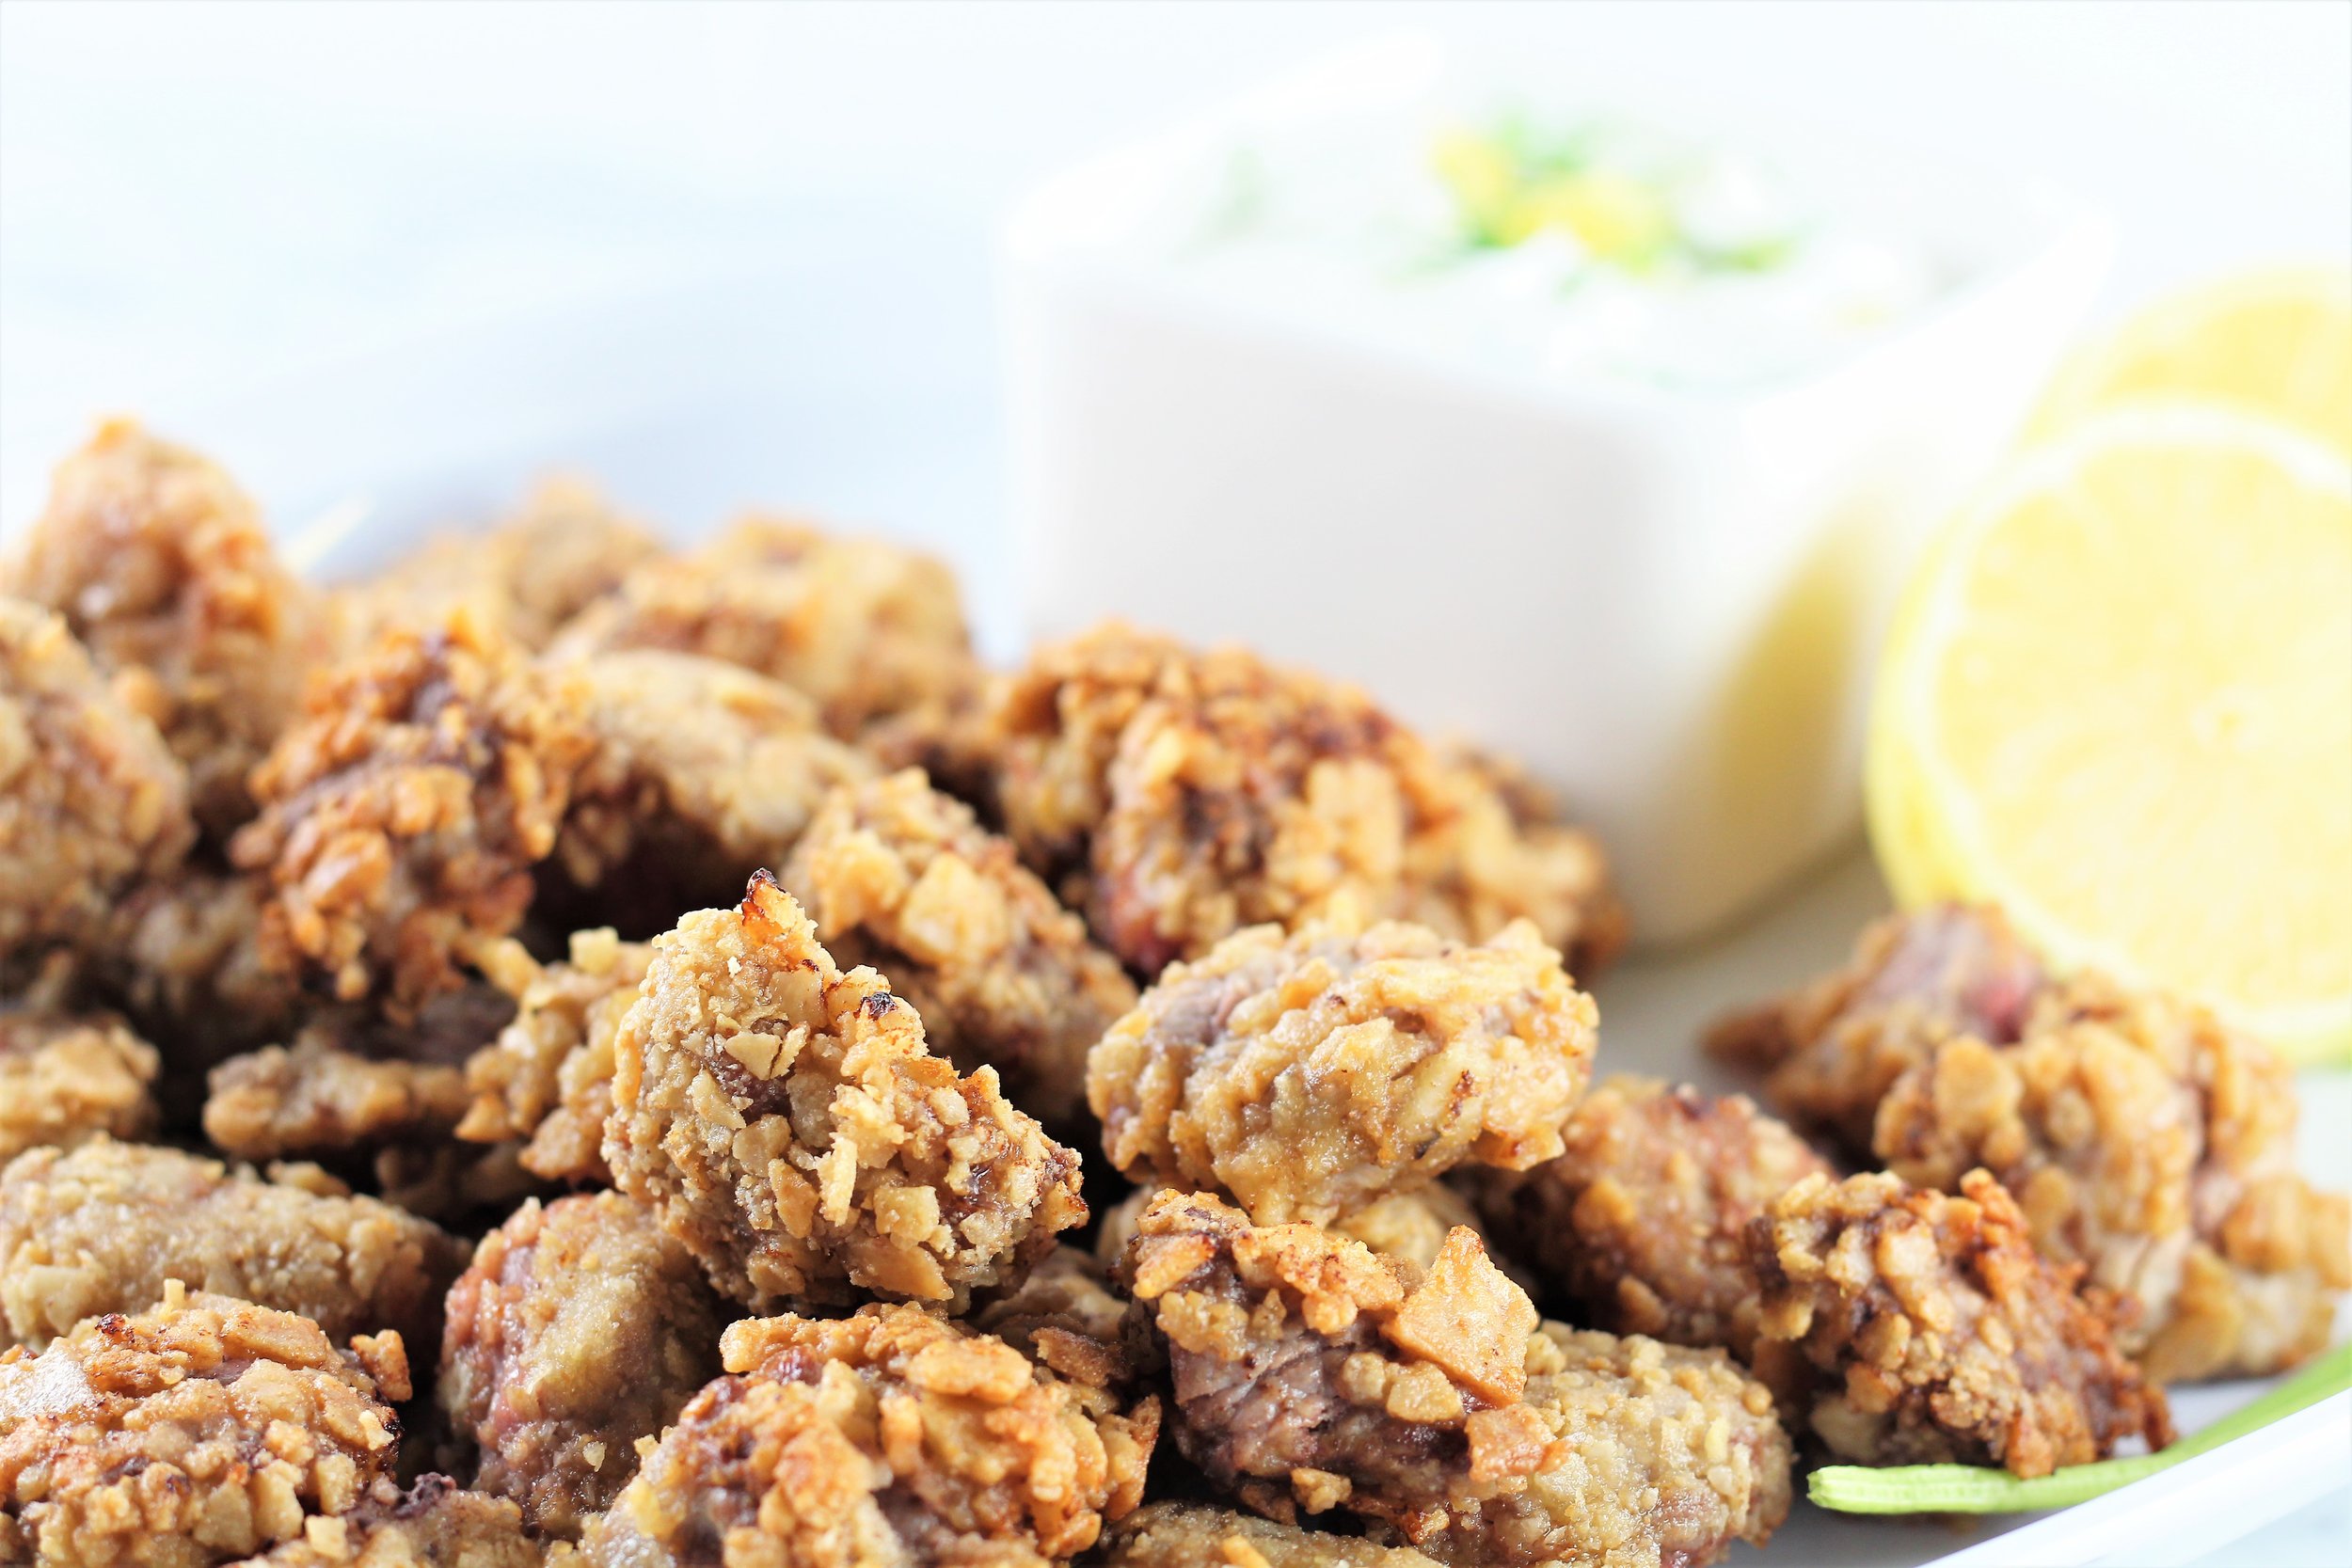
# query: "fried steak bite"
401, 819
871, 631
789, 1124
1176, 796
185, 960
91, 800
1312, 1074
1939, 1334
161, 568
431, 1525
1204, 1535
888, 1436
200, 1430
67, 1078
903, 879
102, 1228
1641, 1225
313, 1098
1412, 1226
547, 1078
578, 1329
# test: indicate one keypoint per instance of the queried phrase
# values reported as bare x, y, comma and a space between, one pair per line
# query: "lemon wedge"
2278, 344
2117, 700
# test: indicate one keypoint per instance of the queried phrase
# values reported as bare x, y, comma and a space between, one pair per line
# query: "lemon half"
2117, 700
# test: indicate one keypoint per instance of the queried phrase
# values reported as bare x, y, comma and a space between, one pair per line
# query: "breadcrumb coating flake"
401, 819
888, 1436
871, 631
67, 1078
1178, 796
578, 1329
1651, 1453
162, 567
904, 880
1940, 1335
1312, 1074
102, 1228
1066, 1315
789, 1125
1641, 1226
1206, 1535
431, 1525
547, 1078
1310, 1372
200, 1430
91, 800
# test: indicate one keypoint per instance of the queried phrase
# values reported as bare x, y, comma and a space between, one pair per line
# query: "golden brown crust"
1940, 1335
101, 1227
161, 566
1310, 1372
1180, 795
401, 819
578, 1329
871, 631
1312, 1074
1069, 1317
547, 1078
200, 1432
314, 1099
67, 1078
902, 879
790, 1126
888, 1436
1641, 1224
1411, 1226
1204, 1535
431, 1525
91, 800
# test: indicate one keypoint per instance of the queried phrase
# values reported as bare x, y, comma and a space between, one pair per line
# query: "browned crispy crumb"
101, 1227
580, 1329
1641, 1225
547, 1078
1205, 1535
199, 1432
701, 773
90, 798
561, 551
1940, 1333
401, 819
431, 1525
1652, 1454
163, 569
888, 1436
1312, 1074
1310, 1372
66, 1078
1066, 1315
790, 1126
903, 879
1178, 796
1413, 1226
873, 632
315, 1098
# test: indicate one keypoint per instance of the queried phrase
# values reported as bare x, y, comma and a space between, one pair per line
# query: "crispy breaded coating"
885, 1438
1068, 1316
1642, 1226
314, 1099
1312, 1074
1177, 797
184, 958
401, 819
871, 631
1834, 1047
101, 1227
702, 774
790, 1126
199, 1432
1310, 1372
66, 1078
580, 1329
161, 566
91, 800
903, 879
1413, 1226
1204, 1535
547, 1078
562, 549
1651, 1453
1940, 1335
431, 1525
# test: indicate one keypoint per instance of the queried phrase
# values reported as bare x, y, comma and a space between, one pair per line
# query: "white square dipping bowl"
1664, 602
